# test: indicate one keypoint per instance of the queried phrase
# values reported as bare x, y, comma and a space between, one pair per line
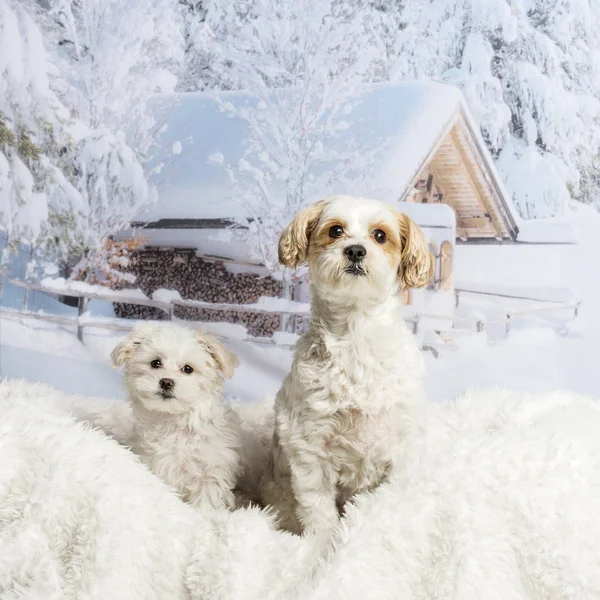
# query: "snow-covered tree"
63, 185
115, 55
530, 72
210, 21
204, 22
300, 65
112, 190
36, 131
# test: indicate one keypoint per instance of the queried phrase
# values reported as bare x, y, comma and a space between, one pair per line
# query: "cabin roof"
413, 125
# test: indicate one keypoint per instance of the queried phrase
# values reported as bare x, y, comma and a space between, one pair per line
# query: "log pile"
199, 279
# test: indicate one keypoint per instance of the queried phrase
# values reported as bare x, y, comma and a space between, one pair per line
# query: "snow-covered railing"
164, 300
549, 294
511, 315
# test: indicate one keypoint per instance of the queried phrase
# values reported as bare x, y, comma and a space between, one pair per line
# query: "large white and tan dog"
355, 386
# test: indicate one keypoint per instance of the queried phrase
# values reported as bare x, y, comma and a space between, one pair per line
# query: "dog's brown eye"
379, 236
187, 369
156, 364
336, 231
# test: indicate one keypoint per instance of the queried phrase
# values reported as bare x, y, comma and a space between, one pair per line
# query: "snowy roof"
435, 216
405, 118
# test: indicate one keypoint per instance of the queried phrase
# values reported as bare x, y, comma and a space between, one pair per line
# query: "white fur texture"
497, 497
355, 386
186, 434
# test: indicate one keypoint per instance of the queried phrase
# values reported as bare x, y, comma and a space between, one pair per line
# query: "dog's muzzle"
355, 254
166, 388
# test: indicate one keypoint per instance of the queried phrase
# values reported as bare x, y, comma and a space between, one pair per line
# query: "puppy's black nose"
355, 252
166, 384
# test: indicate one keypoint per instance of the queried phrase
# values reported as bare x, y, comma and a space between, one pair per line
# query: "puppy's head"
357, 248
170, 368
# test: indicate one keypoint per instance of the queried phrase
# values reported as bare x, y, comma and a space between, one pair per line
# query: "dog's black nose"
355, 253
166, 384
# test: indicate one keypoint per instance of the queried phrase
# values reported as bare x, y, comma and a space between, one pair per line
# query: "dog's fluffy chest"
368, 374
358, 448
184, 454
350, 436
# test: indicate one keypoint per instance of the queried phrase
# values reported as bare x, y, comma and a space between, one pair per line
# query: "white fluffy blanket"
500, 499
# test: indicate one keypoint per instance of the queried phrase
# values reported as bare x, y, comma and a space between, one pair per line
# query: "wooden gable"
456, 173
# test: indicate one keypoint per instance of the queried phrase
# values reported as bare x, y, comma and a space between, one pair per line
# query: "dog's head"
356, 248
169, 368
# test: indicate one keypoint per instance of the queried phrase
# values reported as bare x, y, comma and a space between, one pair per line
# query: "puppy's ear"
293, 243
123, 351
226, 361
417, 264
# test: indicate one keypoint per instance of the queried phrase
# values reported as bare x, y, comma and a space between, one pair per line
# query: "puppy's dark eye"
336, 231
187, 369
379, 236
156, 364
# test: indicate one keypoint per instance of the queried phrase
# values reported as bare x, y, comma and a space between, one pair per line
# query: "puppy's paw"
214, 498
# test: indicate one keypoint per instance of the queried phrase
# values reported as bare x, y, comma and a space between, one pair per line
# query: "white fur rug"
499, 499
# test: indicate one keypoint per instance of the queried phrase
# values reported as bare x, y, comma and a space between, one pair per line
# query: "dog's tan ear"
226, 361
293, 243
123, 351
417, 264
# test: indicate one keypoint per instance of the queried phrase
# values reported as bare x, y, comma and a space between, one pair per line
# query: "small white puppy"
355, 386
183, 431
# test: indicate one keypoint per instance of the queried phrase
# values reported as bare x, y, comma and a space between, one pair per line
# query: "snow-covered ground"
541, 353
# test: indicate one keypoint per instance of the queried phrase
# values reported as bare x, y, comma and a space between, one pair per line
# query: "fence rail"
459, 291
84, 297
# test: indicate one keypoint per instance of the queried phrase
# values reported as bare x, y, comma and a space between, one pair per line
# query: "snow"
430, 215
533, 181
281, 305
192, 184
167, 296
542, 231
79, 287
281, 338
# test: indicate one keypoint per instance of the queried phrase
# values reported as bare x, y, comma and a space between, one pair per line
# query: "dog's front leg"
314, 486
213, 494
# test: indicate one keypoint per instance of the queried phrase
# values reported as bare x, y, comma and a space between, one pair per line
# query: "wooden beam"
441, 183
472, 222
498, 226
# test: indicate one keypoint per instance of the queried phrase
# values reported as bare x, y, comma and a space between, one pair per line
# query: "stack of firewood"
198, 279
